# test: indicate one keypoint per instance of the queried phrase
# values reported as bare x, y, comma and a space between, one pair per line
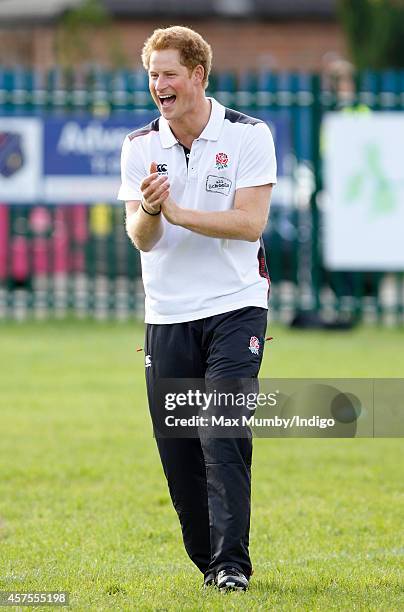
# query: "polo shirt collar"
214, 125
210, 132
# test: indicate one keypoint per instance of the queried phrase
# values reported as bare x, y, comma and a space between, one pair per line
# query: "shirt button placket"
193, 166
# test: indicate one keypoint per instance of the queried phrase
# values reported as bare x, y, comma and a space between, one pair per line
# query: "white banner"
21, 160
364, 191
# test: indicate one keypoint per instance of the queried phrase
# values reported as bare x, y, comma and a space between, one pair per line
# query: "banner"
74, 159
364, 186
82, 156
20, 159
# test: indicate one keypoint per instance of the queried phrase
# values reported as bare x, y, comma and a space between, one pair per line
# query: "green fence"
57, 259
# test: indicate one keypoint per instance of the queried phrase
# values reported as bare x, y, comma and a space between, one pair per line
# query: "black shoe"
209, 580
231, 579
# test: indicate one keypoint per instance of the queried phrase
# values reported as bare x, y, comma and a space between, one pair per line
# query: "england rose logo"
254, 345
221, 161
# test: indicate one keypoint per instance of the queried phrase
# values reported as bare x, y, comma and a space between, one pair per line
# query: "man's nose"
160, 83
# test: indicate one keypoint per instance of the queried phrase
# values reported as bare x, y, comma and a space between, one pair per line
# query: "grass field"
84, 506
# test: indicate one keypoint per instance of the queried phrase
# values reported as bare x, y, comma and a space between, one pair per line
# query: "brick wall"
236, 45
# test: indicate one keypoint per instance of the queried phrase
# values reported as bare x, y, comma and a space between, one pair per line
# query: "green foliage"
375, 32
78, 30
89, 13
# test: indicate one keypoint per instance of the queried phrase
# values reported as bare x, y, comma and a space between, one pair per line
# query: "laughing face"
172, 85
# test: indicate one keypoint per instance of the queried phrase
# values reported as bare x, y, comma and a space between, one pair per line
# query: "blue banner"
87, 146
70, 159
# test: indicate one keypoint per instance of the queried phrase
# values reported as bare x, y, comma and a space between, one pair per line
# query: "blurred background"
327, 76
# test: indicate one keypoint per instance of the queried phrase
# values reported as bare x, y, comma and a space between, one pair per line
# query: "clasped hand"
156, 195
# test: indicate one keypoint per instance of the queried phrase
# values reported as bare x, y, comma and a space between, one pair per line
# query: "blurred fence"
61, 258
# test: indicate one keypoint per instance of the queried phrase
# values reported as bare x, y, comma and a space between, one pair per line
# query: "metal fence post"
315, 238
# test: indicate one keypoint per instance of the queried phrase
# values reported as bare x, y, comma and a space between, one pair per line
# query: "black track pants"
209, 478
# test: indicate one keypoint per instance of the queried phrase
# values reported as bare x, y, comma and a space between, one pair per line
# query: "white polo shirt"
188, 276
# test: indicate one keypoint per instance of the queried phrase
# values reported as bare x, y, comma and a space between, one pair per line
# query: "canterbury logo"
162, 168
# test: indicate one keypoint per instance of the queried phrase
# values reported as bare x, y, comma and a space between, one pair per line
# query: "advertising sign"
20, 159
82, 156
364, 184
76, 159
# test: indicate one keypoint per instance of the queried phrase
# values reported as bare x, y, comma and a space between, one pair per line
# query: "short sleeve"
257, 163
132, 171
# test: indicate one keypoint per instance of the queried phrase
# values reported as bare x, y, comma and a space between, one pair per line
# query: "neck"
192, 125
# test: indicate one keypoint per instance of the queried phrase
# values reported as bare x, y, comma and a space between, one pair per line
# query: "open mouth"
168, 100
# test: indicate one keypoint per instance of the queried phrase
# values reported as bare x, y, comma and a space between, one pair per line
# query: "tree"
78, 30
375, 32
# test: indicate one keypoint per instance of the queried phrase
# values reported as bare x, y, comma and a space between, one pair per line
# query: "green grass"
84, 505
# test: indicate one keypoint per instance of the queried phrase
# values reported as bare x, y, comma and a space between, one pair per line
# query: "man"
197, 183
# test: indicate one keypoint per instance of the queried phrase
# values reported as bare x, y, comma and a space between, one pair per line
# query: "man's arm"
245, 221
146, 229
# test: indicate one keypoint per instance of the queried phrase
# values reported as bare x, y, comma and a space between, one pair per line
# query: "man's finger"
149, 188
148, 180
153, 167
155, 195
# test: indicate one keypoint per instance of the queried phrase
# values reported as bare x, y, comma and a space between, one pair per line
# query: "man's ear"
198, 74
